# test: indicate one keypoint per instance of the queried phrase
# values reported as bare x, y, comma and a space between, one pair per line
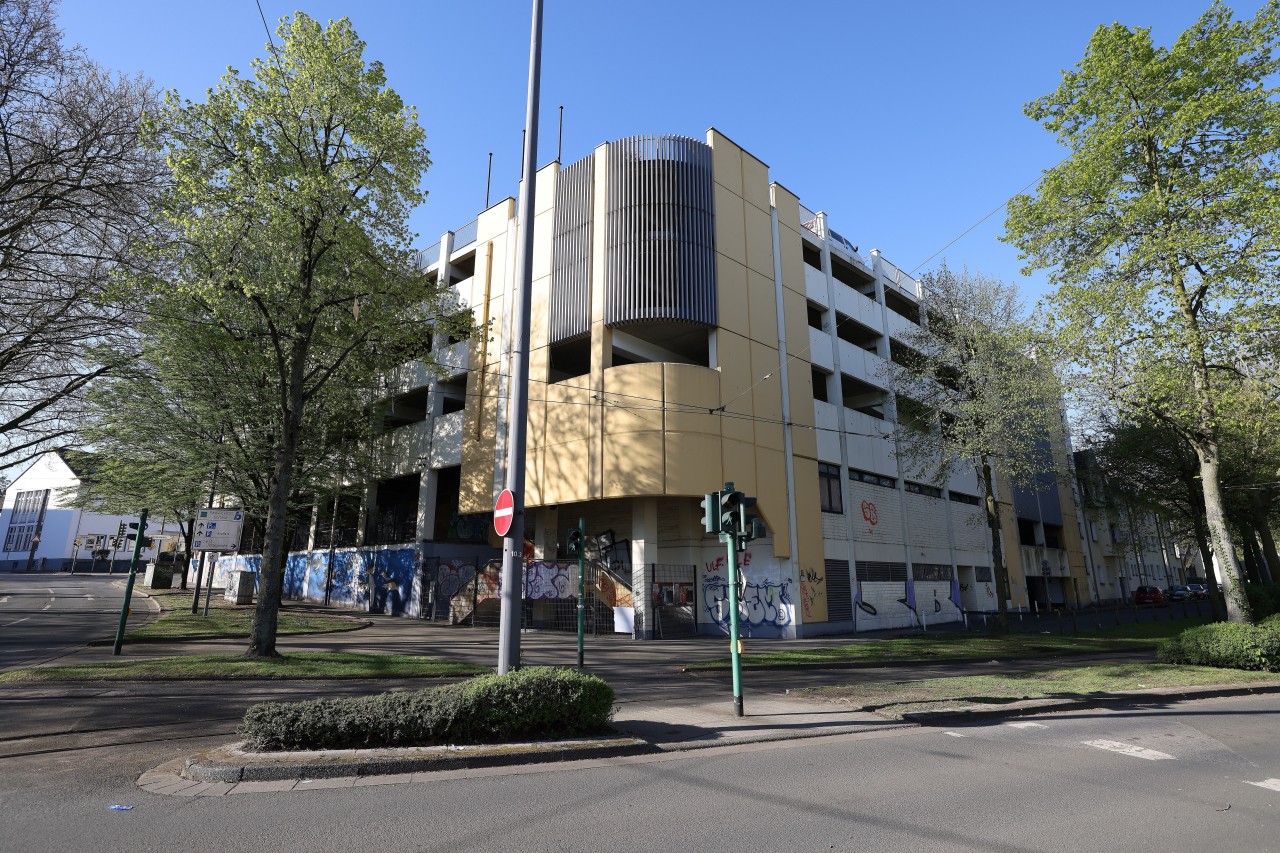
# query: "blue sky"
903, 121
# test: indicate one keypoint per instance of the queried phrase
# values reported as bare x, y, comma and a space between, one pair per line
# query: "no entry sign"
504, 512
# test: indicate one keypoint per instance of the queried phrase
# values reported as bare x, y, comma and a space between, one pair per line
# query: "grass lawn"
893, 699
932, 647
298, 665
176, 622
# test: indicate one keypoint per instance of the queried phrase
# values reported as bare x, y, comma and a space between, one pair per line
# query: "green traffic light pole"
582, 588
128, 588
731, 539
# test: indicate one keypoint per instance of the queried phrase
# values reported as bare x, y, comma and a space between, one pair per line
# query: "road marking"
955, 734
3, 599
1271, 784
1027, 725
23, 619
46, 607
1129, 749
89, 597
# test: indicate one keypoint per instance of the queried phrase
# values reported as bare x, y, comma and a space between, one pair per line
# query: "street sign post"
504, 512
218, 530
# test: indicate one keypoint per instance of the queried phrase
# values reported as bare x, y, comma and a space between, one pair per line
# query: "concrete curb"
203, 637
1027, 707
695, 669
230, 764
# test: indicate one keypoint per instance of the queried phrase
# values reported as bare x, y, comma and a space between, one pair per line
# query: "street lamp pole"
513, 543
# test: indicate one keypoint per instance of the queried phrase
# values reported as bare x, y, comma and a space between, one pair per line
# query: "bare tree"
75, 191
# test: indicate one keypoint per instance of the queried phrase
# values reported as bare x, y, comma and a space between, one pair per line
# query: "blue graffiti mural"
765, 608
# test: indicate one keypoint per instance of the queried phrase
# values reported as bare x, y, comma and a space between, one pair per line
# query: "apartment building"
693, 323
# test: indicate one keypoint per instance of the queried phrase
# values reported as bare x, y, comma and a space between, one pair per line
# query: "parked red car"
1148, 595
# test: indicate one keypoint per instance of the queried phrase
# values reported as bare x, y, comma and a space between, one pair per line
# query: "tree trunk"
262, 639
997, 547
1220, 535
1210, 576
1250, 548
1259, 503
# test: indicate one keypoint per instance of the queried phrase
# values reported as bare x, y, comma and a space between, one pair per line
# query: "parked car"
1149, 595
1179, 592
1199, 590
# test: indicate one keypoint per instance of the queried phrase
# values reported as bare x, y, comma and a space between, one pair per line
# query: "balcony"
445, 449
399, 450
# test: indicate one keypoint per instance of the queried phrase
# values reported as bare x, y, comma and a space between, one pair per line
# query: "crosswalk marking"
1027, 725
955, 734
1272, 784
1129, 749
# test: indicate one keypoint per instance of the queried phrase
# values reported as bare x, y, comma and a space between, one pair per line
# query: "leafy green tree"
75, 192
290, 199
969, 394
1161, 228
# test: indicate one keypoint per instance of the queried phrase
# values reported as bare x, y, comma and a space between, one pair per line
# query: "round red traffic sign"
503, 512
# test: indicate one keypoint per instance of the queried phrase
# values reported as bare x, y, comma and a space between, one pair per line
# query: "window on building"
819, 378
982, 574
923, 489
28, 508
815, 316
873, 479
962, 498
829, 488
812, 256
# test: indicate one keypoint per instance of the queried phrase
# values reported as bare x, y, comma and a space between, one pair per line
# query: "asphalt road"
44, 615
1191, 776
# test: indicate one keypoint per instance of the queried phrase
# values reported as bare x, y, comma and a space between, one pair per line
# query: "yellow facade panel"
790, 249
795, 309
569, 411
633, 464
633, 394
690, 392
759, 238
694, 463
726, 162
733, 353
732, 297
766, 398
755, 182
564, 473
731, 235
771, 480
788, 205
740, 465
764, 307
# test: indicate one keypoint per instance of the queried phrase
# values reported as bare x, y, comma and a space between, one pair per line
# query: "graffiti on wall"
765, 606
550, 580
813, 595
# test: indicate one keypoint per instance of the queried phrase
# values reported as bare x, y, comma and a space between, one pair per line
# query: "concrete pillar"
544, 526
644, 554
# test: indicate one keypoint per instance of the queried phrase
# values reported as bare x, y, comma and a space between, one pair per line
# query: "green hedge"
1227, 645
526, 704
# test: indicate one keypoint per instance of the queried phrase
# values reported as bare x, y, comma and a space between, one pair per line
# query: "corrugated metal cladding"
571, 252
661, 231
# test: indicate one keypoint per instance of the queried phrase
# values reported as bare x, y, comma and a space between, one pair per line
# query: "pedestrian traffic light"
730, 509
711, 512
749, 525
574, 543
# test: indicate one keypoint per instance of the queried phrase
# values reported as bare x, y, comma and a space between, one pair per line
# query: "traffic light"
731, 508
574, 543
147, 541
749, 524
711, 511
120, 532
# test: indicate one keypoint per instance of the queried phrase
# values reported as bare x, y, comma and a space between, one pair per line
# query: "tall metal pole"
582, 588
513, 544
734, 636
128, 587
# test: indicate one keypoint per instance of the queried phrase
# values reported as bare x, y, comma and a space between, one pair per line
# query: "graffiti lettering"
764, 604
550, 580
869, 514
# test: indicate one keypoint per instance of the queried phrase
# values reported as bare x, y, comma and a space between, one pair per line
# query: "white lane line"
954, 734
1027, 725
46, 607
7, 624
3, 599
1272, 784
1129, 749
